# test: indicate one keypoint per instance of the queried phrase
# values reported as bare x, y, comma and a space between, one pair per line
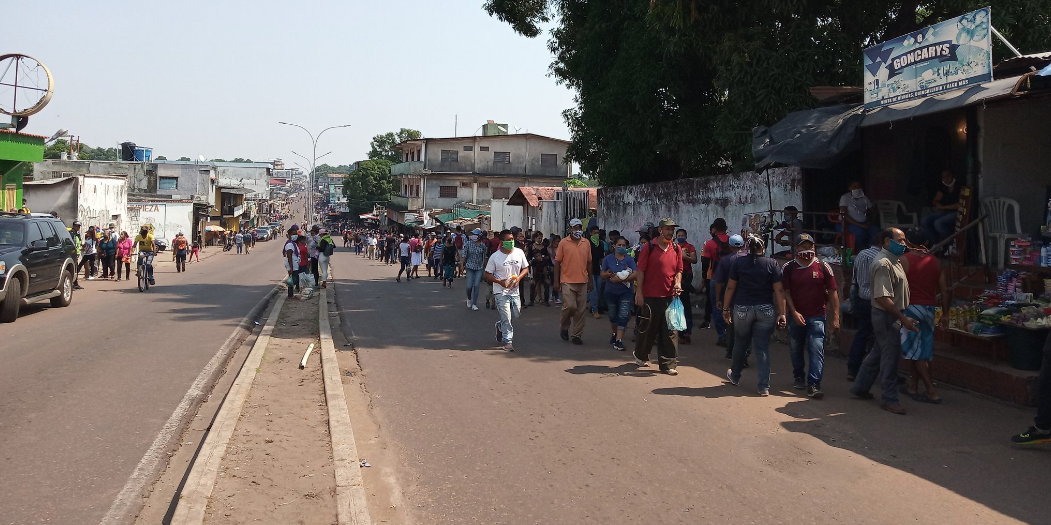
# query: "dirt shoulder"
278, 465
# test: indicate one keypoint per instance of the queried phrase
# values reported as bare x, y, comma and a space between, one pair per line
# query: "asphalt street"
556, 433
84, 390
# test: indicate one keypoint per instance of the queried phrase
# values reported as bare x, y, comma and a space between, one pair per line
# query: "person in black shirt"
946, 204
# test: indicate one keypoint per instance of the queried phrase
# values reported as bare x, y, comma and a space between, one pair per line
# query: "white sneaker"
91, 277
672, 372
474, 307
468, 303
640, 362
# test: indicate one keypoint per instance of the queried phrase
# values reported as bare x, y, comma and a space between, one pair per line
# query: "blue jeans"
509, 306
863, 337
939, 225
595, 293
717, 317
812, 337
755, 325
474, 284
240, 246
619, 305
862, 236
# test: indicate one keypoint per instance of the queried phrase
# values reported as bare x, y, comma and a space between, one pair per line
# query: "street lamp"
314, 157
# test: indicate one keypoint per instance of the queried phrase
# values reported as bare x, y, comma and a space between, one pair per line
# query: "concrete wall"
525, 156
254, 178
482, 194
142, 177
695, 203
1013, 157
503, 216
167, 218
102, 200
59, 197
194, 181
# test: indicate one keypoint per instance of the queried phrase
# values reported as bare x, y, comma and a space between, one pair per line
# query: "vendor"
857, 212
940, 224
791, 228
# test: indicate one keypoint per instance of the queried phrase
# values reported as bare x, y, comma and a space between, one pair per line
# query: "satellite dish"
30, 81
58, 134
200, 158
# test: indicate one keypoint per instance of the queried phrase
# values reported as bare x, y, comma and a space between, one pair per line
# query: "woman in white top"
87, 254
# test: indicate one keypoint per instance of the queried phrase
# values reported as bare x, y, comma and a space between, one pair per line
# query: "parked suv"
37, 262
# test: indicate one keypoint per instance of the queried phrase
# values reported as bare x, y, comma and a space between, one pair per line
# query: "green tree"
239, 159
371, 183
162, 157
383, 145
184, 159
218, 160
672, 88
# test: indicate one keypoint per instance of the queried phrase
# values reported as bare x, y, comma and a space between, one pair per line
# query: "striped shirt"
863, 271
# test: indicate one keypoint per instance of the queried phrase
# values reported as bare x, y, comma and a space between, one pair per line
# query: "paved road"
84, 390
556, 433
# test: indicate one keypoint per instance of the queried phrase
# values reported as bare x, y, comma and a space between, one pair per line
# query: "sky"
214, 78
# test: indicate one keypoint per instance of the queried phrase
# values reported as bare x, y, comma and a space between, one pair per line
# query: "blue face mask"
897, 248
622, 250
681, 240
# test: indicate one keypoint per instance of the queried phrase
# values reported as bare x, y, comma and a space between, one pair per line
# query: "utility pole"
312, 186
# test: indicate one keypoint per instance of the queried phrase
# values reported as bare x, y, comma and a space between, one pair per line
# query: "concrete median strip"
193, 500
350, 488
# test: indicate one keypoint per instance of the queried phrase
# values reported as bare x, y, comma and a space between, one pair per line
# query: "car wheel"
9, 308
65, 287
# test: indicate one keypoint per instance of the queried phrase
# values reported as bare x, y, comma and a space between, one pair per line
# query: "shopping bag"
675, 315
290, 282
306, 280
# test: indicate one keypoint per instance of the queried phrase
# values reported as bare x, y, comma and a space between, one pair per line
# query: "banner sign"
953, 54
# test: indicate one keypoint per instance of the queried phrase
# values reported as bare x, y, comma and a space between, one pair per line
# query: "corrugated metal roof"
483, 137
532, 195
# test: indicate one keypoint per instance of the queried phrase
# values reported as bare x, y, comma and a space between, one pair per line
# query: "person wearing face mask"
573, 279
890, 298
598, 252
813, 311
689, 258
506, 269
473, 264
659, 281
946, 204
290, 253
618, 294
857, 213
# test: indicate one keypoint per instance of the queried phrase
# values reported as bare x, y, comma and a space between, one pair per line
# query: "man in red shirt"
659, 281
926, 278
810, 291
712, 251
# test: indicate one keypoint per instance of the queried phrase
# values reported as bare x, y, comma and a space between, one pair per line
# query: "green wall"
16, 150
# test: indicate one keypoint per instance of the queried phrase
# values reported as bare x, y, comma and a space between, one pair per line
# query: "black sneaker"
799, 384
704, 325
577, 341
814, 392
564, 334
1033, 436
613, 339
619, 345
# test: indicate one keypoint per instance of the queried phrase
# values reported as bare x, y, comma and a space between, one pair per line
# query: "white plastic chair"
999, 210
889, 215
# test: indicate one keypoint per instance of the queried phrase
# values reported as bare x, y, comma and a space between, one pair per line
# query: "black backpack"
723, 248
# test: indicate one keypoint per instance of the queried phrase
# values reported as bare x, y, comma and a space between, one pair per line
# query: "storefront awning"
216, 229
943, 102
817, 138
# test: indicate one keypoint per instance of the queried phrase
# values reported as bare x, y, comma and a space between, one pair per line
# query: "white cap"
575, 222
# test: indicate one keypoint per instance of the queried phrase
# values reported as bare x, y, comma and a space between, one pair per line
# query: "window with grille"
468, 148
483, 148
501, 157
548, 159
450, 155
501, 193
447, 192
465, 184
168, 183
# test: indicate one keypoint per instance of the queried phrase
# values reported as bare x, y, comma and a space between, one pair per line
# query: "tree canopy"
371, 183
666, 89
55, 149
383, 144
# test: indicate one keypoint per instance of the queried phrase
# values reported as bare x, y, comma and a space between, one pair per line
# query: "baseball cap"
476, 231
646, 227
668, 222
804, 237
575, 222
76, 223
736, 241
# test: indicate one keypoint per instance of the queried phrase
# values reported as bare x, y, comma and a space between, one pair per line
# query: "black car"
37, 262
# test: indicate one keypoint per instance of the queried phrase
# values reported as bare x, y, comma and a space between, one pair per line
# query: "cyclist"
146, 248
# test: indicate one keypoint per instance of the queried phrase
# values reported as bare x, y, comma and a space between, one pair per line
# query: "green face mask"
508, 245
594, 239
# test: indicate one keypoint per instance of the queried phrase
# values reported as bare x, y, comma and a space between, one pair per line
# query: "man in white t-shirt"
290, 256
506, 269
403, 254
858, 215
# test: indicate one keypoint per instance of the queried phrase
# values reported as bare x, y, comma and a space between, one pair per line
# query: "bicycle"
143, 269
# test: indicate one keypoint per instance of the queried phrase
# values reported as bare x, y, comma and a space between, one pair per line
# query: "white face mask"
473, 238
858, 193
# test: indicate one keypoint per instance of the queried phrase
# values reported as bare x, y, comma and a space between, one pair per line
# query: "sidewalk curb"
130, 501
193, 500
351, 507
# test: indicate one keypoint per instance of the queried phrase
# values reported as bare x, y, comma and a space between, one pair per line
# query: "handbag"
675, 315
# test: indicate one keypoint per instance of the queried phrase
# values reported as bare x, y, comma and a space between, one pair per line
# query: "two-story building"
446, 173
